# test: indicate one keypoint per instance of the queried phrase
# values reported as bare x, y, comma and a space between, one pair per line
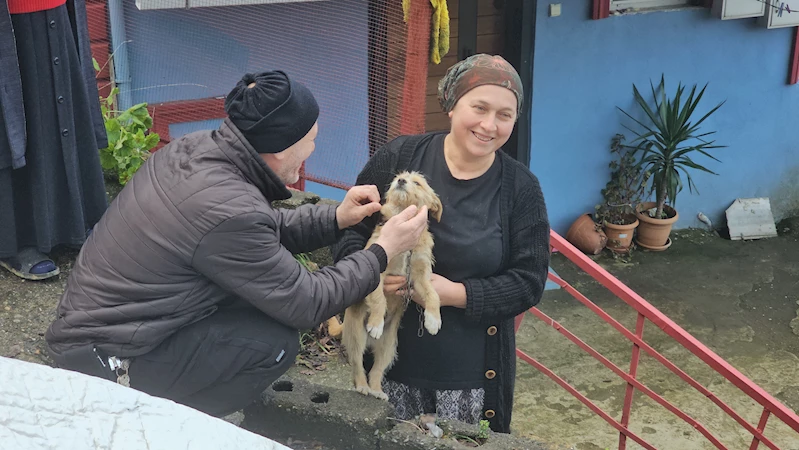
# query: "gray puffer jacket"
192, 228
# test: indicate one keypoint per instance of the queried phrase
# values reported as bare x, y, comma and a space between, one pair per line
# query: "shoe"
31, 264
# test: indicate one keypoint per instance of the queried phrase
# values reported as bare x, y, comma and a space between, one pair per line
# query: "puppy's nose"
401, 182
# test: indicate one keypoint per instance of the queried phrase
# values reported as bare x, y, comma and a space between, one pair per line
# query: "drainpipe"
119, 47
520, 19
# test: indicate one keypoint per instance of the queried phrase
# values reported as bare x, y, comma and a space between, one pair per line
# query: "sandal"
30, 264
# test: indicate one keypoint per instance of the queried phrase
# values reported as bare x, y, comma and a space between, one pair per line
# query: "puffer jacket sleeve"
244, 256
520, 286
308, 227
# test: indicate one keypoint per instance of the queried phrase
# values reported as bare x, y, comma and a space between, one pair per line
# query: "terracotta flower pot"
653, 234
587, 235
620, 237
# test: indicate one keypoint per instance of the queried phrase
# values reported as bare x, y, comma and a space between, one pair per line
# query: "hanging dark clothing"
51, 183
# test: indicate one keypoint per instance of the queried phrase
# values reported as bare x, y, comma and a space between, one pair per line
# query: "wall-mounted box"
738, 9
781, 14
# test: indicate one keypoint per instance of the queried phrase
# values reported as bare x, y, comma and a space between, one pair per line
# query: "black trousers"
218, 365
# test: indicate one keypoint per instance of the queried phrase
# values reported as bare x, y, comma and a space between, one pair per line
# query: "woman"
491, 250
51, 183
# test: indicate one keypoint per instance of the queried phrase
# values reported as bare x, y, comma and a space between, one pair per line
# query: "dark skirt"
60, 194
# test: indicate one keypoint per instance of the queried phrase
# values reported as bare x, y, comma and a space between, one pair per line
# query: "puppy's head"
411, 188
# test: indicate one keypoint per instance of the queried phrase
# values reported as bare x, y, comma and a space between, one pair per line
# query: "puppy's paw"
432, 322
363, 390
378, 394
375, 330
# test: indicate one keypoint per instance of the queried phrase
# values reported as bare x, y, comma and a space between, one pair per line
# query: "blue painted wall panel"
202, 52
585, 68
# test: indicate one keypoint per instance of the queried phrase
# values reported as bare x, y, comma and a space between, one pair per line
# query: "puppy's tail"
334, 327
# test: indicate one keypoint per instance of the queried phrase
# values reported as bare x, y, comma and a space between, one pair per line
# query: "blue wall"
584, 68
183, 54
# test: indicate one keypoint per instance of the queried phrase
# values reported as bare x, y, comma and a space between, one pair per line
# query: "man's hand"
401, 233
359, 203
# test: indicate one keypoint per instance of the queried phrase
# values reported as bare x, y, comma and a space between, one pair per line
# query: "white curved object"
42, 408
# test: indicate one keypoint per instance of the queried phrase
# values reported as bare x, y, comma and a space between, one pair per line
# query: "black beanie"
274, 113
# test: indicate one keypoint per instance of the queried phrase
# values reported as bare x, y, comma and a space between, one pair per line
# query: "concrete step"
311, 416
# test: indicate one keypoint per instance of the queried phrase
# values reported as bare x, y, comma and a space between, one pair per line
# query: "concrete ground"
738, 298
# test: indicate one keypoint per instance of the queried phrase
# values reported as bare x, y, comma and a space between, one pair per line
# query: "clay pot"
587, 235
653, 234
660, 248
620, 237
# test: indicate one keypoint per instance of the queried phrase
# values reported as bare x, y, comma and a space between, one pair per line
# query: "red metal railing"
648, 312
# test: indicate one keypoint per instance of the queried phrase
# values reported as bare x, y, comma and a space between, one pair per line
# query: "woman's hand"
392, 284
450, 292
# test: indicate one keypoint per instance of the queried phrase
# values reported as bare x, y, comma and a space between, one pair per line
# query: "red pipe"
630, 390
417, 47
675, 331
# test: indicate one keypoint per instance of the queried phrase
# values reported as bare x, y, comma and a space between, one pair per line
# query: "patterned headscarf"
478, 70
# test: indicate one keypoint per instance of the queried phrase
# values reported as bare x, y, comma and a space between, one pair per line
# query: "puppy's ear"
436, 209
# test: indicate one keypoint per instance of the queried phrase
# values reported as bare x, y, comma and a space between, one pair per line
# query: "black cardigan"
495, 300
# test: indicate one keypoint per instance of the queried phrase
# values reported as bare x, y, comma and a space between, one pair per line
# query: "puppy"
374, 322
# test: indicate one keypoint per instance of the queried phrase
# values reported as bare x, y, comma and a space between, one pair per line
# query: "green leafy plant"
478, 439
129, 138
626, 186
466, 440
482, 430
670, 140
305, 260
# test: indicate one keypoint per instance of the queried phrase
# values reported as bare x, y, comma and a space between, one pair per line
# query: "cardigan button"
490, 374
65, 132
56, 60
60, 99
492, 330
490, 414
52, 24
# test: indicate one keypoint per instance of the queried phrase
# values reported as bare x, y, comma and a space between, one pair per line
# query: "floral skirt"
465, 405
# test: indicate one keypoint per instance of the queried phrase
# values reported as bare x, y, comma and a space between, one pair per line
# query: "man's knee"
274, 345
290, 338
251, 339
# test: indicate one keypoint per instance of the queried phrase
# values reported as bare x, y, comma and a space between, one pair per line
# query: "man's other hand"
359, 203
401, 233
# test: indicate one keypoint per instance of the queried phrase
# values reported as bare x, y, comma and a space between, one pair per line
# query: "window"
620, 5
173, 4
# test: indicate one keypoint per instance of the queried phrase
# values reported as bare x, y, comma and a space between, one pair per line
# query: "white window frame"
185, 4
616, 5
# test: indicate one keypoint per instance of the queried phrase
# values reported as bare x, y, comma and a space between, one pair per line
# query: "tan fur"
374, 322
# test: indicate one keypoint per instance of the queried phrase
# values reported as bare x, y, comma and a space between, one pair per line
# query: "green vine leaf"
129, 137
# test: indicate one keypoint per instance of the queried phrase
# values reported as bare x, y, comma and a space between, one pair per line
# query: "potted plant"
667, 145
587, 235
621, 194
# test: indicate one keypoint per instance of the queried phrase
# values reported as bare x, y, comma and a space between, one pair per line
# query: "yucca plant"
670, 140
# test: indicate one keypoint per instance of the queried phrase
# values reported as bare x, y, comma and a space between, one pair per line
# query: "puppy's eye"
416, 183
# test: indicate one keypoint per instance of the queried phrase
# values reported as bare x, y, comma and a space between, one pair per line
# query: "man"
188, 281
